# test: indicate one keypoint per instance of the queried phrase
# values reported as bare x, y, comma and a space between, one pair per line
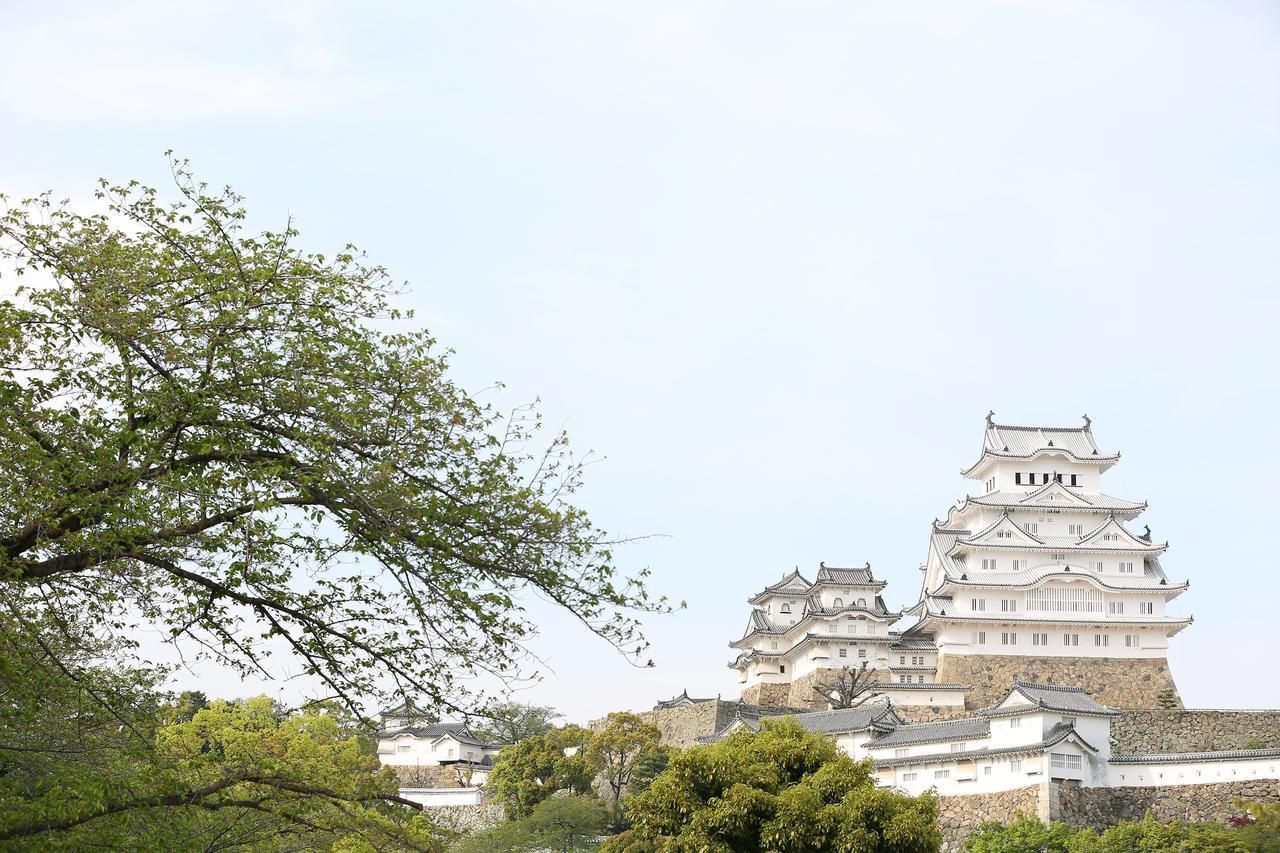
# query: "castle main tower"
1037, 577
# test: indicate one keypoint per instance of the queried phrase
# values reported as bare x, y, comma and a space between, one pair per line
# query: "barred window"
1065, 761
1064, 600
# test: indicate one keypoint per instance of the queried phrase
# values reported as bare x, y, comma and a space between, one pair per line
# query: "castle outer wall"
1120, 683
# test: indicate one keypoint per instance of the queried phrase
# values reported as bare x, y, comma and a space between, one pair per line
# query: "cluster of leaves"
561, 823
511, 722
1028, 835
223, 436
89, 758
780, 789
569, 759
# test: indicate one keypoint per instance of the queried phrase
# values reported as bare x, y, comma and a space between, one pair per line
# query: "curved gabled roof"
1007, 441
1035, 575
1086, 501
792, 583
1049, 697
837, 576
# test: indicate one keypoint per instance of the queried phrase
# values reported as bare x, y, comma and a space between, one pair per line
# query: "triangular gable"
1003, 531
1055, 492
794, 581
1125, 539
1018, 699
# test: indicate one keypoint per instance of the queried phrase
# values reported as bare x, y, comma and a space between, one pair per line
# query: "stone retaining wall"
1139, 732
683, 726
1120, 683
467, 819
959, 817
929, 713
766, 694
434, 776
1102, 807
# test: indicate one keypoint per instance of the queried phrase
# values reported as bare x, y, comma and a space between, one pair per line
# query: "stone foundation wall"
1102, 807
767, 694
1120, 683
435, 776
959, 817
929, 713
1138, 732
684, 725
467, 819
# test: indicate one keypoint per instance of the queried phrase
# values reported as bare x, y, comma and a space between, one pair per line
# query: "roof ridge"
1038, 428
1045, 686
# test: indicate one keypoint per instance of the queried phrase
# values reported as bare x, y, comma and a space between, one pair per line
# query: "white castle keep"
1034, 579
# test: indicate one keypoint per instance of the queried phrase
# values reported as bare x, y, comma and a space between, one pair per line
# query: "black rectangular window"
1073, 479
1057, 477
782, 667
1017, 479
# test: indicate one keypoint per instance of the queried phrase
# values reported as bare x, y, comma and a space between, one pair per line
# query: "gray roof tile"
961, 729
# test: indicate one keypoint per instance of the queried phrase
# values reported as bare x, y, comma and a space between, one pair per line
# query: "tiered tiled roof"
458, 731
1175, 757
1006, 441
1055, 736
964, 728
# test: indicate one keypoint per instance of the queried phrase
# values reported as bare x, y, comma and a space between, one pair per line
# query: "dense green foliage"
780, 789
559, 823
613, 751
1028, 835
246, 449
229, 776
512, 722
532, 770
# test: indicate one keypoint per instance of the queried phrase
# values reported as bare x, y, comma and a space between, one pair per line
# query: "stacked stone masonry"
767, 694
467, 819
959, 817
1120, 683
1141, 732
1102, 807
437, 776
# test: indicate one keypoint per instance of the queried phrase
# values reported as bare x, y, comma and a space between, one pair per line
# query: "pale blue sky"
774, 261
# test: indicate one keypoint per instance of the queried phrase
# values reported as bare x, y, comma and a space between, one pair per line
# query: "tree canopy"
780, 789
512, 722
237, 440
1029, 835
614, 750
213, 433
532, 770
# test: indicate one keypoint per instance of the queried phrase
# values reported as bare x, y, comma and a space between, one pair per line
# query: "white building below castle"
1038, 733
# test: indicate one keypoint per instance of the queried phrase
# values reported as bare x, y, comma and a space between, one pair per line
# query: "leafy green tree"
187, 704
648, 766
220, 434
1022, 835
512, 722
780, 789
234, 776
1028, 835
217, 434
559, 823
532, 770
613, 751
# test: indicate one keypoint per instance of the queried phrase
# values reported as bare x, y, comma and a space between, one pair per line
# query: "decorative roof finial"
1147, 535
991, 419
1088, 422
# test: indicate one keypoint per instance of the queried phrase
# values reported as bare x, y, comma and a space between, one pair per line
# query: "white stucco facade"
1040, 561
